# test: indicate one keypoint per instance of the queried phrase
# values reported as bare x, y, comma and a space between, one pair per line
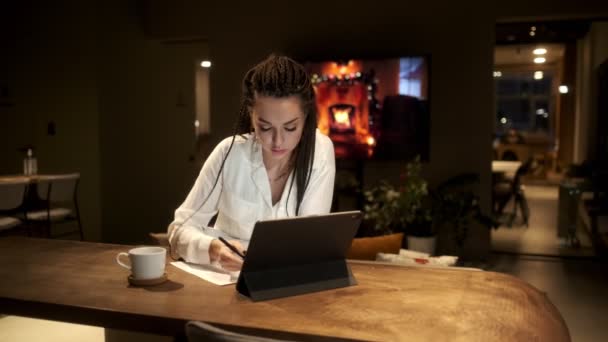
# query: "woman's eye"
290, 129
265, 129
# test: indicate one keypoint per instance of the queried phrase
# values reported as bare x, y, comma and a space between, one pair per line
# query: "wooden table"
505, 166
32, 199
27, 179
80, 282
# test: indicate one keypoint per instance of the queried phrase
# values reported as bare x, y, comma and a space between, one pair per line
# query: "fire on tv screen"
374, 108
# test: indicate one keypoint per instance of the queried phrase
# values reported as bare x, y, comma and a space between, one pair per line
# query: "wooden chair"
12, 213
57, 197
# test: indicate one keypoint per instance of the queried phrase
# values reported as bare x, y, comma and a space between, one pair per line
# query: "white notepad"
209, 273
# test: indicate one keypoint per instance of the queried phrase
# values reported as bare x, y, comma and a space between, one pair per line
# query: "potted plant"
420, 231
421, 214
456, 208
398, 210
390, 208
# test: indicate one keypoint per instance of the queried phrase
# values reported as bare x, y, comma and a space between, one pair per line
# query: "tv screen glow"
373, 108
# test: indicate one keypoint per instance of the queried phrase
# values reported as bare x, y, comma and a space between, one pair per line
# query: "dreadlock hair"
280, 76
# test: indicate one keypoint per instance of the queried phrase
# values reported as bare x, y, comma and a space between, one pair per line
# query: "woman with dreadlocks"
275, 165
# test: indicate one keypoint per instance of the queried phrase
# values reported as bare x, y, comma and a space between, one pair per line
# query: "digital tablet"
297, 255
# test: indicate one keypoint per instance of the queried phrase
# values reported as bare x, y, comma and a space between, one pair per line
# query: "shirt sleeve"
319, 194
186, 235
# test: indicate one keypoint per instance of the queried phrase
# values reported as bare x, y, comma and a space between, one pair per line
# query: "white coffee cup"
146, 262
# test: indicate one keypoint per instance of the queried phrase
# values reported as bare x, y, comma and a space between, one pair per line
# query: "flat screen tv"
374, 108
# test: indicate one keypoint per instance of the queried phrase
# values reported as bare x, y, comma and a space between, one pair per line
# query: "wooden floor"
576, 286
13, 328
574, 279
540, 237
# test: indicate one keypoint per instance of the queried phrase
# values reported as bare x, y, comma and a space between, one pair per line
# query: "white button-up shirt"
243, 196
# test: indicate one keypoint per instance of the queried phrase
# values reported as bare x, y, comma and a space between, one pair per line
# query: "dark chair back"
12, 195
58, 195
522, 170
199, 332
509, 155
58, 188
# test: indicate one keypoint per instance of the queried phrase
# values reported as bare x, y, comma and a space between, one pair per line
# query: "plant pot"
424, 244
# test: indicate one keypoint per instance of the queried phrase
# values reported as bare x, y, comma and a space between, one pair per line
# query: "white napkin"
209, 273
409, 257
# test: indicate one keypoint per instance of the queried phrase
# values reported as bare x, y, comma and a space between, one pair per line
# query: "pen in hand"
231, 247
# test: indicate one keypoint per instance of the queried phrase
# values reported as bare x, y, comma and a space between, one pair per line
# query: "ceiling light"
539, 51
503, 120
532, 33
206, 64
563, 89
538, 75
539, 60
497, 73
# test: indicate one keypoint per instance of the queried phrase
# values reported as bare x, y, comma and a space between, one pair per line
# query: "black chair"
199, 332
509, 155
57, 203
598, 205
505, 190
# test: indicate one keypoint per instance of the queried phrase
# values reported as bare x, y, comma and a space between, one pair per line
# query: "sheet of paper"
210, 273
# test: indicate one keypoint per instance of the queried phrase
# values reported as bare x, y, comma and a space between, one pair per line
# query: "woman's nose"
277, 138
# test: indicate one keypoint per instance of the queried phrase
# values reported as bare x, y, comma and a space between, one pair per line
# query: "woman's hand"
229, 261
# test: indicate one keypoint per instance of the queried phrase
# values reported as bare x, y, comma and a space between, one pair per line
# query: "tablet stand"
274, 283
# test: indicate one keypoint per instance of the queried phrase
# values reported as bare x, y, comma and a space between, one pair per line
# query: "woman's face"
278, 123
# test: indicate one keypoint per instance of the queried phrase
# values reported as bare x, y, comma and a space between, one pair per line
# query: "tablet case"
293, 256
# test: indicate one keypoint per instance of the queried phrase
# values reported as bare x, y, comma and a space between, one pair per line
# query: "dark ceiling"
544, 32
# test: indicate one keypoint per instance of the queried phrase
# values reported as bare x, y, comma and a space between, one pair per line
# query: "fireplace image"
342, 118
373, 109
343, 115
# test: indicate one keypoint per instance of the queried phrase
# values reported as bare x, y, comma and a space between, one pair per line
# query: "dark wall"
48, 68
118, 79
459, 37
122, 104
459, 43
567, 103
147, 113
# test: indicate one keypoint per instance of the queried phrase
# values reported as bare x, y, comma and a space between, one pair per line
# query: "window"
524, 101
411, 72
